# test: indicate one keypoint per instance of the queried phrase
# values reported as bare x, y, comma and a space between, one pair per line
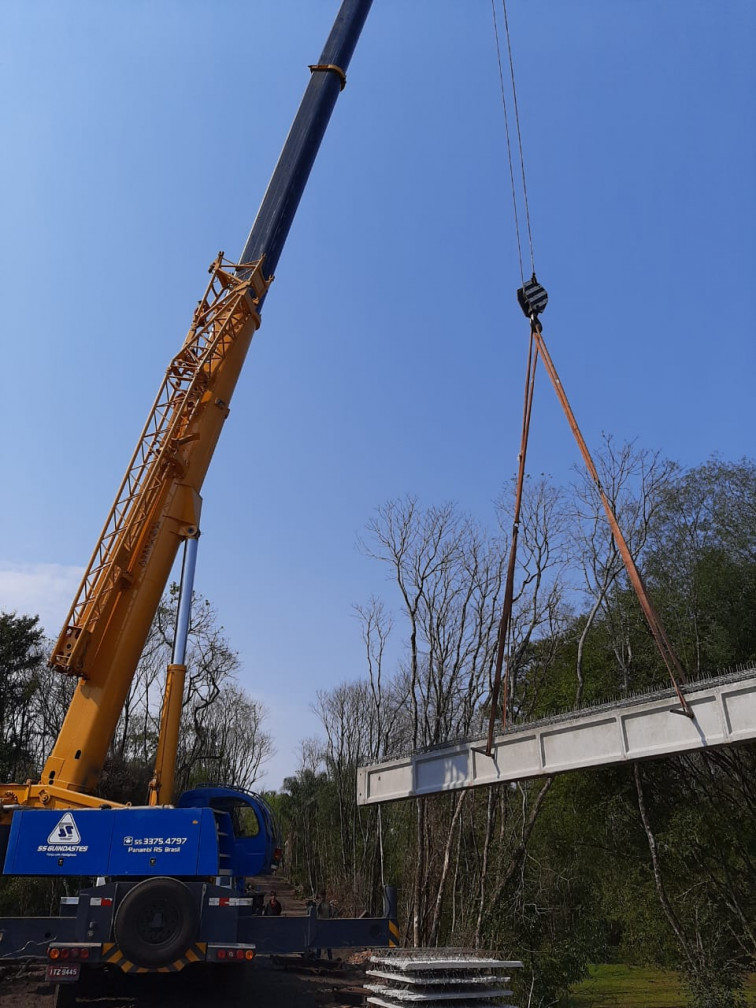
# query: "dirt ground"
283, 982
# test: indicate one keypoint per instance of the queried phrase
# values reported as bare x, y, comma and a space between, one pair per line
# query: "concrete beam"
724, 709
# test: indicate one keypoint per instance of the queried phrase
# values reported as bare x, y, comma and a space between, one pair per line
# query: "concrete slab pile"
439, 978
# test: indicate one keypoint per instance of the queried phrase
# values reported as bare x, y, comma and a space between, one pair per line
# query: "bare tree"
376, 627
635, 481
450, 581
539, 613
46, 710
239, 745
222, 735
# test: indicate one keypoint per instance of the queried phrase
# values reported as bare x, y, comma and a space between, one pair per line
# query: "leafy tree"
21, 660
703, 564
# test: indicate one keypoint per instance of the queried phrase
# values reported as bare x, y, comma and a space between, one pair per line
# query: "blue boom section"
279, 205
113, 842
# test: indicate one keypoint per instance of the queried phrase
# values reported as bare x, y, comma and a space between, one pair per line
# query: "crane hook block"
532, 298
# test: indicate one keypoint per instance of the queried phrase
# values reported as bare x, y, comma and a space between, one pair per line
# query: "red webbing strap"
658, 632
502, 639
653, 619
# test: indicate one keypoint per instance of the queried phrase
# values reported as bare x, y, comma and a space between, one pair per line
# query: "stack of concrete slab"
438, 978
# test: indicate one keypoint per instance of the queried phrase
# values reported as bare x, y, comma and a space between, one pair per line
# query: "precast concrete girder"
724, 712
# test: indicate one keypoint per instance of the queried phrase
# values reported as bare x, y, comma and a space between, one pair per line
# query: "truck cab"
249, 840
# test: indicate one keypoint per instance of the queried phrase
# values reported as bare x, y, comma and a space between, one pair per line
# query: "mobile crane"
168, 878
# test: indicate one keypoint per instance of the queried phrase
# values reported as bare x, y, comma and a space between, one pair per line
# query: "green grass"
636, 987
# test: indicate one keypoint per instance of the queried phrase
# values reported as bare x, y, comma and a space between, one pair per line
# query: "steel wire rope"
509, 141
519, 138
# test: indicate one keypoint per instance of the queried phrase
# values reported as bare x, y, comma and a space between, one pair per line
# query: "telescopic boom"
158, 504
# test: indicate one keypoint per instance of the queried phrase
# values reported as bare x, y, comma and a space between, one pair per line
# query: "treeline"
646, 864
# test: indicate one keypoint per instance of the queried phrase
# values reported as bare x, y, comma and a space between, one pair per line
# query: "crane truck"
167, 877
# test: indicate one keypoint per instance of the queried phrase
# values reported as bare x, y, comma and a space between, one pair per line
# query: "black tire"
156, 922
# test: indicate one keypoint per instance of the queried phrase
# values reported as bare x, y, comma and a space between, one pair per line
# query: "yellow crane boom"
156, 508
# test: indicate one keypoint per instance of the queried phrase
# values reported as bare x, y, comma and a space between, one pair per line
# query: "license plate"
63, 974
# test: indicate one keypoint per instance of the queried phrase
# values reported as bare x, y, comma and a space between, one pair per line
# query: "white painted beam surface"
724, 709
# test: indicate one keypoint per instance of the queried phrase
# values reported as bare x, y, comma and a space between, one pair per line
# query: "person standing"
272, 907
324, 911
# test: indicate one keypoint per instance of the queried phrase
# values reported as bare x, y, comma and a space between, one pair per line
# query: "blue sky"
137, 141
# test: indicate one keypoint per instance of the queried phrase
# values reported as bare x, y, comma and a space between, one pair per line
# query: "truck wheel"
156, 921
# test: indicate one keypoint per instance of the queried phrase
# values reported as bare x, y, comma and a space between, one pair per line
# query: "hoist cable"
509, 143
519, 139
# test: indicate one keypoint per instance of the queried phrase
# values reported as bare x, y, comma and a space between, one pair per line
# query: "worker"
272, 907
324, 911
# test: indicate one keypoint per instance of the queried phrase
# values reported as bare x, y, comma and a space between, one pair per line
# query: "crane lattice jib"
228, 308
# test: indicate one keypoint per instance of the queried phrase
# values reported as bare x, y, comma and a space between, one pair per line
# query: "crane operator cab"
249, 841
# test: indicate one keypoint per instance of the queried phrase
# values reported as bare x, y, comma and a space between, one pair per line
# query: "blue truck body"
214, 831
169, 890
113, 842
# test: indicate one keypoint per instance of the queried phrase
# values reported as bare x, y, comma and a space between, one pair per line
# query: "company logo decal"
65, 832
65, 838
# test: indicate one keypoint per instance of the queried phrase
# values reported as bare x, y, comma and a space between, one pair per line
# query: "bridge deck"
724, 709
